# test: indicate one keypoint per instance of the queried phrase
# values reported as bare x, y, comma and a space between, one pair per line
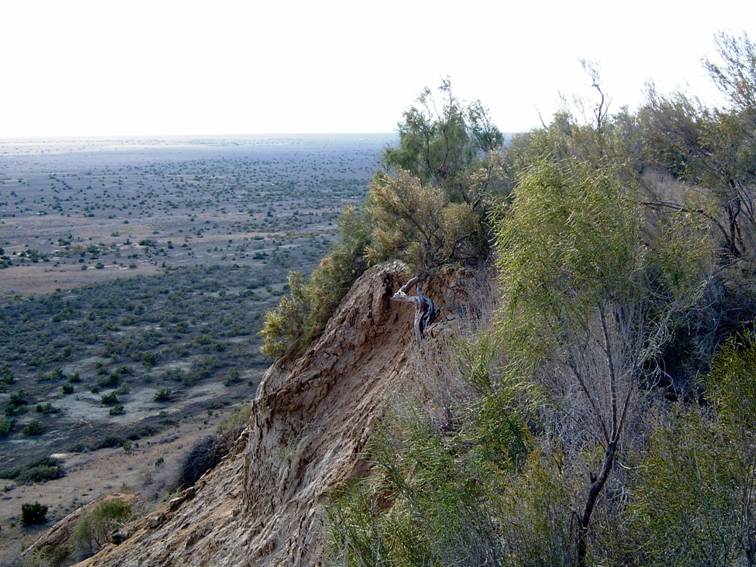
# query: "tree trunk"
597, 485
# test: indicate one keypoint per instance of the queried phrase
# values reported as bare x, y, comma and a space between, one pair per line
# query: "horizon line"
163, 136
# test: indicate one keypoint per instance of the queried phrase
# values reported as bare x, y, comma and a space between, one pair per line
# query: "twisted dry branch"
425, 310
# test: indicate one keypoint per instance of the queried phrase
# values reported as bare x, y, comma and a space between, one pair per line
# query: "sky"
222, 67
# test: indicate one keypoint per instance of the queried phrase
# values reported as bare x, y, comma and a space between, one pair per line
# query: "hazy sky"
107, 67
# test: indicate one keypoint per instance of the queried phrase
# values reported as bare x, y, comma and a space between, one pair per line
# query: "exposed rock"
311, 419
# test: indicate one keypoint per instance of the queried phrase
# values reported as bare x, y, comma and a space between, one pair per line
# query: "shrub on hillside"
303, 314
33, 514
94, 529
204, 455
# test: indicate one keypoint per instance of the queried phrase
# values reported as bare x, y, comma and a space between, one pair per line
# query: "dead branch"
425, 310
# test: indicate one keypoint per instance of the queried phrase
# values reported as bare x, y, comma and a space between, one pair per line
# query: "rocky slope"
263, 505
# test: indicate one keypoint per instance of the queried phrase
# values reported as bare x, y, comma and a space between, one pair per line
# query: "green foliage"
38, 471
6, 426
439, 142
433, 497
418, 223
33, 428
303, 314
162, 395
691, 503
94, 528
731, 385
110, 399
33, 514
713, 147
436, 511
571, 244
16, 404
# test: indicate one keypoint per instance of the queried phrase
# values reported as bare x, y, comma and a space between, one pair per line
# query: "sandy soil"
44, 278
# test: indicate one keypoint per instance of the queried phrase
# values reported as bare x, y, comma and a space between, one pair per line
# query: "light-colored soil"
44, 278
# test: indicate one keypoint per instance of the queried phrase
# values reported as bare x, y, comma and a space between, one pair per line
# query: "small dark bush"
68, 388
109, 442
47, 408
205, 454
6, 426
110, 399
117, 410
162, 395
33, 514
39, 471
33, 428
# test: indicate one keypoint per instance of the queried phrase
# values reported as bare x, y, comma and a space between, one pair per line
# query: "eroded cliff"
311, 419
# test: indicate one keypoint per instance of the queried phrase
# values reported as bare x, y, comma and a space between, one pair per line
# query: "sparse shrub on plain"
33, 514
33, 429
162, 395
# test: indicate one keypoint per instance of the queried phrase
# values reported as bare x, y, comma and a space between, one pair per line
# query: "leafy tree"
439, 142
714, 148
586, 306
417, 223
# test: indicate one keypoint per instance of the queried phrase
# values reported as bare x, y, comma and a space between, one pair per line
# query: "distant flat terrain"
134, 275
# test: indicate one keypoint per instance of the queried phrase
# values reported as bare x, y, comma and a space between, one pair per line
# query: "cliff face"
310, 421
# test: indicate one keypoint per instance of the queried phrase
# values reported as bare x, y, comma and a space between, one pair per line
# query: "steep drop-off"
311, 419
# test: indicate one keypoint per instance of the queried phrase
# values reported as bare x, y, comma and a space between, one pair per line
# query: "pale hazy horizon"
86, 69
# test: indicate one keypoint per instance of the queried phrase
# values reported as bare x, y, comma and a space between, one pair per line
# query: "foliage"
438, 143
434, 496
429, 207
303, 314
435, 516
418, 223
203, 456
713, 147
571, 245
162, 395
33, 428
38, 471
6, 426
33, 514
691, 503
94, 528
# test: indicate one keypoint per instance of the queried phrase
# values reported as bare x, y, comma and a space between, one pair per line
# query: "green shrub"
94, 528
16, 404
162, 395
33, 514
38, 471
110, 399
33, 428
690, 503
117, 410
303, 314
47, 408
419, 507
6, 426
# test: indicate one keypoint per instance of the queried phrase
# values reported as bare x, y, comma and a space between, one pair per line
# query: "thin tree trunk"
597, 485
